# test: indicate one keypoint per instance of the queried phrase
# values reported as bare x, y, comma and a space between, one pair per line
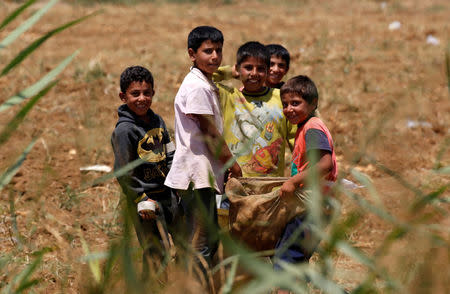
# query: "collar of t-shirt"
198, 73
301, 124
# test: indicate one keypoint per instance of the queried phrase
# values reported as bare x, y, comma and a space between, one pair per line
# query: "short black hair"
253, 49
135, 74
302, 86
203, 33
279, 51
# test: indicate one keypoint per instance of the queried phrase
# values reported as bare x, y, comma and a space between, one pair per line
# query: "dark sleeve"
317, 140
124, 143
170, 147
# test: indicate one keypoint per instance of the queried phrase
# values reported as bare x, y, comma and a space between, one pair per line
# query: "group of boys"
218, 130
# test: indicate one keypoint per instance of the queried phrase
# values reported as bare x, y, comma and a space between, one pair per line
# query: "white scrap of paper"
411, 124
349, 185
97, 167
433, 40
395, 25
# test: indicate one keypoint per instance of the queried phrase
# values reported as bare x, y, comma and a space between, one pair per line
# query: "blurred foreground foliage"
19, 279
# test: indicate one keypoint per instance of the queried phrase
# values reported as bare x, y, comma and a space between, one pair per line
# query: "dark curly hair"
279, 51
135, 74
302, 86
252, 49
203, 33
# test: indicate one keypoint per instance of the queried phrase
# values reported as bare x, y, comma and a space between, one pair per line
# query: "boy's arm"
291, 133
124, 153
224, 73
170, 146
324, 166
215, 142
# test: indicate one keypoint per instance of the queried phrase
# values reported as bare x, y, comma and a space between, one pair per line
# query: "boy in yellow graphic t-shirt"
254, 126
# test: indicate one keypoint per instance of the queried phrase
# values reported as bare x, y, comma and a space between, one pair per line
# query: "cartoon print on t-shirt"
255, 128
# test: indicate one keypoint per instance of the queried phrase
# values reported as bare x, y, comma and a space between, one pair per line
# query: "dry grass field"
383, 93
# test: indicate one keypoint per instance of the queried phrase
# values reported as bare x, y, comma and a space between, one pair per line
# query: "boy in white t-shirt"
197, 167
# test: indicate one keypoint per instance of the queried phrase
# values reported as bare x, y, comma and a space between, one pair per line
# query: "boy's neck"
207, 75
300, 124
261, 90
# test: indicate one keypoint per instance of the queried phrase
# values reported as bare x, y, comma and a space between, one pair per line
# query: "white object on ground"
417, 123
97, 167
433, 40
146, 205
395, 25
383, 5
349, 185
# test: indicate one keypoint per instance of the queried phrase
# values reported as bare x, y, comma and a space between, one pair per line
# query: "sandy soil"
374, 83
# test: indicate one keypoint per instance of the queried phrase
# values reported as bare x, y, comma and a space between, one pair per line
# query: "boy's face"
138, 97
208, 57
253, 74
278, 69
295, 108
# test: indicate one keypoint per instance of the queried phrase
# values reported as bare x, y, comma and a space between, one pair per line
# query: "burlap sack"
258, 215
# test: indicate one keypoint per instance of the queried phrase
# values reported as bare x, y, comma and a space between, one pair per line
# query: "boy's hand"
287, 189
235, 171
234, 72
147, 209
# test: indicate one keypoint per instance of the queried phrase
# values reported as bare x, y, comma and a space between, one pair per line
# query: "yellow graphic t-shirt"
256, 130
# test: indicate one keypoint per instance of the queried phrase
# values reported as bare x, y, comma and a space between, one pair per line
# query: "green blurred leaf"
427, 199
118, 173
15, 13
39, 85
366, 182
25, 285
355, 253
443, 170
12, 170
15, 122
22, 279
26, 24
94, 264
27, 51
321, 282
230, 278
363, 203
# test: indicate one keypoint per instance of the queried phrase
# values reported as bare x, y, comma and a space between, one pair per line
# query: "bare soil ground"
372, 82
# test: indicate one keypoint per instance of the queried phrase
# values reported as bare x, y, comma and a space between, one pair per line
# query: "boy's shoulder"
195, 81
228, 89
315, 123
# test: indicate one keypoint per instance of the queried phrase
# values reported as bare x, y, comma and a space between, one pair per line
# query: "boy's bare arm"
215, 142
324, 166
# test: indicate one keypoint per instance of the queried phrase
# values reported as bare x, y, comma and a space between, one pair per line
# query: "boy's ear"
191, 53
123, 97
315, 103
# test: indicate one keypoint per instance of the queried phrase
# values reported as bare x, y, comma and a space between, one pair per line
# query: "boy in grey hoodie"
141, 134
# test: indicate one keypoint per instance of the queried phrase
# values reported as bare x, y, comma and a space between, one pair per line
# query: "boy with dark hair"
141, 134
197, 173
279, 65
300, 98
256, 131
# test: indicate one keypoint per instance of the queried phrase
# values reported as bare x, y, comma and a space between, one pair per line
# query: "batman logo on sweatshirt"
151, 148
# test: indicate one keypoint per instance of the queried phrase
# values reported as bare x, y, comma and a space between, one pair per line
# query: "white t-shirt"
193, 162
